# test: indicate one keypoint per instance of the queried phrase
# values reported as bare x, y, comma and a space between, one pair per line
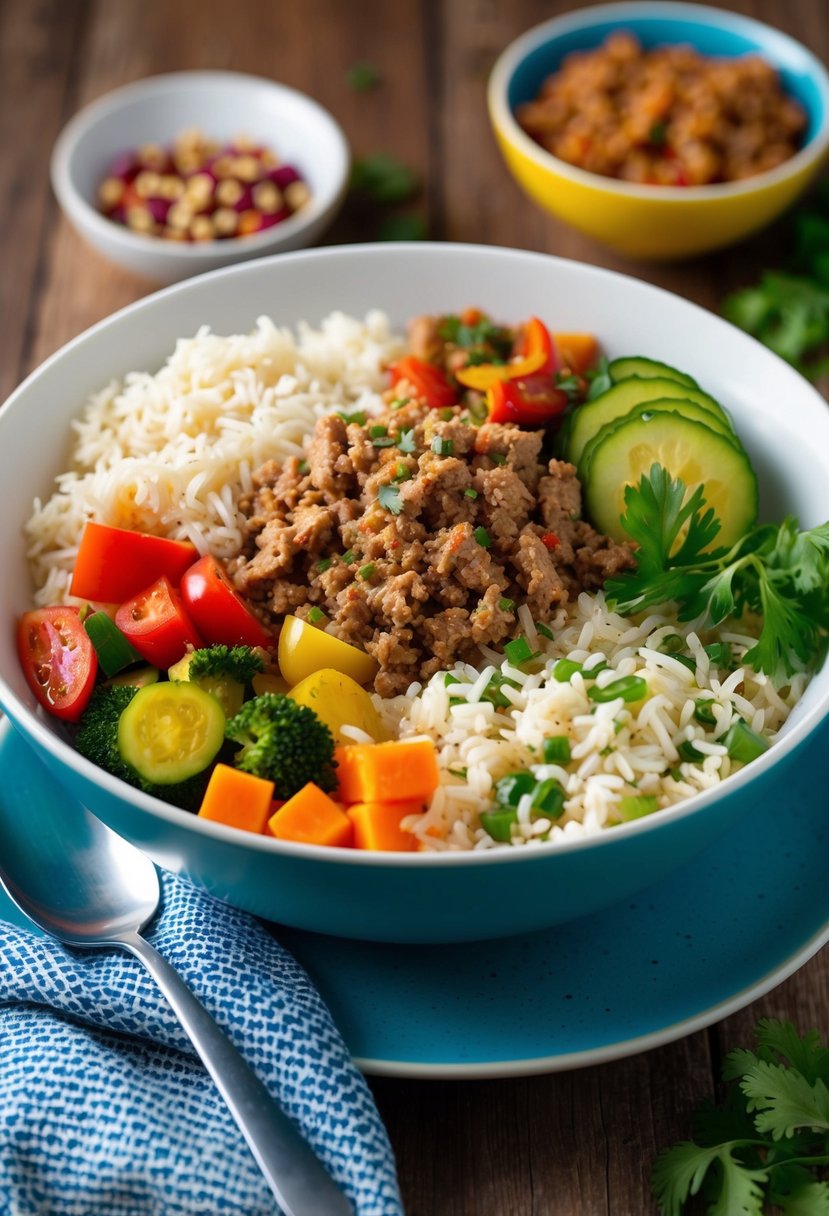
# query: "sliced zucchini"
588, 419
677, 405
638, 365
687, 449
170, 732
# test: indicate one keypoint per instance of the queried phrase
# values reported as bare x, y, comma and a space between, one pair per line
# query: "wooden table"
579, 1143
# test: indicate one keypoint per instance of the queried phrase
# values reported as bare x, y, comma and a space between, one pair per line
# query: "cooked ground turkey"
421, 542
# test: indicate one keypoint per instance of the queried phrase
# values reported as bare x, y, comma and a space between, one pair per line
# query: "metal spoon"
85, 885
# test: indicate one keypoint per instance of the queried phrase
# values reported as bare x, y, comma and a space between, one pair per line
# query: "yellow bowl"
644, 221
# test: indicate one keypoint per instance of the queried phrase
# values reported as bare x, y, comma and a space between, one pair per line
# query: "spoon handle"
298, 1180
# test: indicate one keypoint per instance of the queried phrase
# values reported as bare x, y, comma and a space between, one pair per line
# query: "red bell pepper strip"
429, 382
532, 401
537, 354
113, 564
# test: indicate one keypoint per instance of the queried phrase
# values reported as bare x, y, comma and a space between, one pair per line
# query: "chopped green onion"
402, 472
362, 77
325, 564
304, 466
315, 615
686, 661
399, 402
388, 442
470, 493
459, 772
497, 458
448, 414
506, 605
358, 417
672, 644
556, 749
720, 654
519, 651
510, 789
548, 798
565, 669
629, 688
498, 824
492, 693
442, 447
482, 537
545, 631
367, 571
348, 557
376, 432
688, 752
634, 806
450, 678
743, 743
590, 673
704, 713
111, 646
406, 441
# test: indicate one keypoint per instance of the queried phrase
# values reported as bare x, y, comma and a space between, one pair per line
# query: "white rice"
171, 452
617, 749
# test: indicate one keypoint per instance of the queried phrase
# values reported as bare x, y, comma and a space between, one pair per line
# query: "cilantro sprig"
767, 1144
777, 572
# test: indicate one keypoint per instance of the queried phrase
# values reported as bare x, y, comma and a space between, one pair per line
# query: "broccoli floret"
283, 742
239, 663
97, 740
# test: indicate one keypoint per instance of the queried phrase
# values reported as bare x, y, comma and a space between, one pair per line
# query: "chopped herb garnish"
325, 564
629, 688
497, 458
377, 431
658, 134
367, 571
406, 441
545, 631
565, 669
720, 654
359, 417
573, 386
556, 749
442, 447
498, 824
386, 442
315, 615
447, 415
599, 378
459, 772
482, 537
743, 743
511, 789
304, 466
348, 557
389, 497
383, 179
519, 651
402, 472
470, 493
407, 227
450, 678
548, 798
506, 605
688, 752
672, 644
493, 694
776, 571
362, 77
704, 712
399, 402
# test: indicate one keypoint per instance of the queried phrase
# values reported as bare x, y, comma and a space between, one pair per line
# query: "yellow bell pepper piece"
339, 701
304, 649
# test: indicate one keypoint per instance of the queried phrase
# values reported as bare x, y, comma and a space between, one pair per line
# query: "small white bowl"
223, 105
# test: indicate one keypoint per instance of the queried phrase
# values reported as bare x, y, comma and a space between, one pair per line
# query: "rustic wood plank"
37, 43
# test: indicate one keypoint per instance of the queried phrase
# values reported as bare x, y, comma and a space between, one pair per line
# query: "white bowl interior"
782, 420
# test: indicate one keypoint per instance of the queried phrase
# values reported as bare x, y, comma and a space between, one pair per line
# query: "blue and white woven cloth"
104, 1108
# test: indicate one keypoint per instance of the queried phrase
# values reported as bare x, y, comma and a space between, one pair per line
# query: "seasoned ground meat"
419, 535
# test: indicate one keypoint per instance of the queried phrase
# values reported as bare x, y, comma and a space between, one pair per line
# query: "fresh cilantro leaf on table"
383, 179
779, 573
767, 1144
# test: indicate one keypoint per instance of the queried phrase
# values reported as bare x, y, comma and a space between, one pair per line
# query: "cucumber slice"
638, 365
170, 732
690, 450
688, 409
588, 419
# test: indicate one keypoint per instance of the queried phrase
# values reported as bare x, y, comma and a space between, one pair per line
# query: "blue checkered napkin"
104, 1109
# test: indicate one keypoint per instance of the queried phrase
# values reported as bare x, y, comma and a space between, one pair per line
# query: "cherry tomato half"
58, 660
217, 609
428, 381
115, 563
156, 623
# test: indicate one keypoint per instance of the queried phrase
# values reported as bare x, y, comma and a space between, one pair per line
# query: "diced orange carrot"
238, 799
576, 351
311, 817
387, 772
377, 825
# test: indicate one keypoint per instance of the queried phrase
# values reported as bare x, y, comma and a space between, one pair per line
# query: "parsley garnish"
389, 497
777, 572
768, 1143
599, 378
406, 441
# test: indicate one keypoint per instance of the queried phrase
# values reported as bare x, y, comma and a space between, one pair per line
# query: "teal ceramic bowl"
415, 897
